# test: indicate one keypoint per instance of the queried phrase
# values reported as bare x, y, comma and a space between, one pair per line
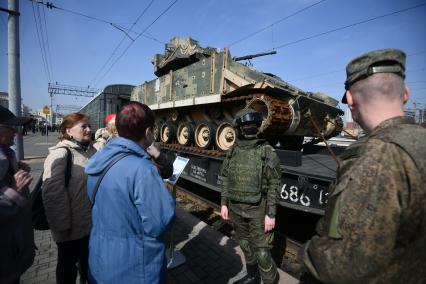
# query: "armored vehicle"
199, 90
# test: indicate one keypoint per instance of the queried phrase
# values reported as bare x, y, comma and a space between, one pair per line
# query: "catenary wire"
119, 44
39, 43
348, 26
131, 43
43, 42
274, 23
342, 70
52, 6
43, 47
49, 54
114, 25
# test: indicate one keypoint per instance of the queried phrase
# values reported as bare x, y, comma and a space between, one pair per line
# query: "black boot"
252, 276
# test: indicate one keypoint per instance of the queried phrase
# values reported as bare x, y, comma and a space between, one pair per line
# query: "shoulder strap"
69, 166
98, 182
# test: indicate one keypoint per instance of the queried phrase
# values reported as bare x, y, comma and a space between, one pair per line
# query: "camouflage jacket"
374, 229
271, 175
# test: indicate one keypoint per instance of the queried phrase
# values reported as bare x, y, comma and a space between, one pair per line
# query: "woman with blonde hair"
68, 209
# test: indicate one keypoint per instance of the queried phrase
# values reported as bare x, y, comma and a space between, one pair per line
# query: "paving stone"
208, 259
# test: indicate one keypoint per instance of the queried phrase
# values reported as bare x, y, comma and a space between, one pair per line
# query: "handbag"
39, 219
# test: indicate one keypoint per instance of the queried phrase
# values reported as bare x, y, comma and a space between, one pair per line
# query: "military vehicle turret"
199, 90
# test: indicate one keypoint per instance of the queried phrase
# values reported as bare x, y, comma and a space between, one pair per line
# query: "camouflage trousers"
255, 244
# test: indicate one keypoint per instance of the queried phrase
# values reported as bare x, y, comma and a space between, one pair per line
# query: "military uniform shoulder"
354, 150
272, 159
268, 147
405, 131
407, 137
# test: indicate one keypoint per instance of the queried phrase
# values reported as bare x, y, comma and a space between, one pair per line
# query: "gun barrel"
251, 56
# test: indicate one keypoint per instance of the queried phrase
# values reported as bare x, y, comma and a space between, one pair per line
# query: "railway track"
206, 207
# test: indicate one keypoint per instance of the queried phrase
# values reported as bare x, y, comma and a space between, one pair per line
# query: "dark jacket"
16, 231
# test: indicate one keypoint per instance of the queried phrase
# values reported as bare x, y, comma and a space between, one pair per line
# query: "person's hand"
24, 166
269, 223
153, 151
224, 212
22, 180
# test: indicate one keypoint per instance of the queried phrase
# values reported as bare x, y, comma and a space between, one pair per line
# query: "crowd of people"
108, 218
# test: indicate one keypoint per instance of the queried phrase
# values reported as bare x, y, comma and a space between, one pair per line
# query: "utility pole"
14, 70
415, 110
51, 109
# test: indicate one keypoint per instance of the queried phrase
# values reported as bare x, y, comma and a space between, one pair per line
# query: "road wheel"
167, 132
185, 133
225, 136
204, 134
157, 128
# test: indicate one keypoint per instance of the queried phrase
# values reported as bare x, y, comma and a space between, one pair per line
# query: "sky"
314, 40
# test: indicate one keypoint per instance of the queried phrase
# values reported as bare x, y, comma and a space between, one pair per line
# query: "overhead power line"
110, 23
41, 42
274, 23
131, 43
343, 70
53, 6
49, 54
77, 91
68, 107
119, 44
146, 35
348, 26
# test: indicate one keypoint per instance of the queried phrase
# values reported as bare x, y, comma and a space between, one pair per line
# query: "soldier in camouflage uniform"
374, 228
251, 179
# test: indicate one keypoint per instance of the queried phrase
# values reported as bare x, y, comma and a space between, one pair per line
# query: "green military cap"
378, 61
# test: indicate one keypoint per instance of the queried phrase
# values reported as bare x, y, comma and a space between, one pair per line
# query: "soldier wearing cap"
374, 228
251, 179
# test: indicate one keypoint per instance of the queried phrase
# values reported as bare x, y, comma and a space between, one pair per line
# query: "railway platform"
210, 256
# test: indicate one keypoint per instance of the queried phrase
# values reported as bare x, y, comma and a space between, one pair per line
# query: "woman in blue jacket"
132, 207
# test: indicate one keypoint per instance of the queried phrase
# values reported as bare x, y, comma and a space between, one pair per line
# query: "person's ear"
147, 130
350, 99
406, 94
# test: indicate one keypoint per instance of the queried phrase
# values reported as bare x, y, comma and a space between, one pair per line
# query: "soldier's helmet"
245, 117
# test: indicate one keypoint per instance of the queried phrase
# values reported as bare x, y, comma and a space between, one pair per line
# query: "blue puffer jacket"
132, 211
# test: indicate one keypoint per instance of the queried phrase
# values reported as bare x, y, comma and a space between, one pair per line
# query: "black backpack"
38, 213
